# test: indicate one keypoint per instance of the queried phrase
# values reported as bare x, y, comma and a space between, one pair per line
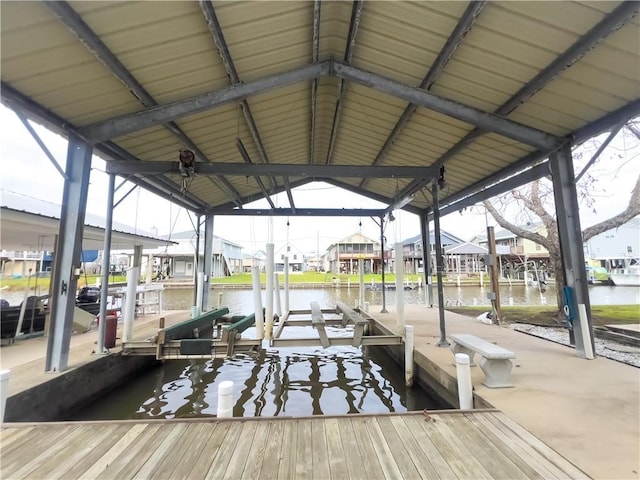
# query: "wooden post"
495, 287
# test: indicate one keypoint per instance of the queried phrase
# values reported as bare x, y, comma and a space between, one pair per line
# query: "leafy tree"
533, 203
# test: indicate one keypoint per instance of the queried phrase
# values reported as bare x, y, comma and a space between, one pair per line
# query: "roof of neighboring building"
189, 234
28, 223
445, 237
466, 248
355, 238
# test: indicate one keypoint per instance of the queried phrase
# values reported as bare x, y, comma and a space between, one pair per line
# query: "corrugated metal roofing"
168, 49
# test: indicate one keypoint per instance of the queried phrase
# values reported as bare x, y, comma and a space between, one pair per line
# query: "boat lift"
216, 335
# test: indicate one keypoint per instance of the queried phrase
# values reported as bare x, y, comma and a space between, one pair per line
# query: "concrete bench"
496, 361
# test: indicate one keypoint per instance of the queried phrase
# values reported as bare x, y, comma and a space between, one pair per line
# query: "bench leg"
496, 372
457, 348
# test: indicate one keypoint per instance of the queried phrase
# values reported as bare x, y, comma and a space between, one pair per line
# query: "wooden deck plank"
383, 450
335, 448
534, 458
431, 452
304, 451
257, 451
132, 458
240, 455
287, 468
488, 455
417, 456
223, 454
80, 457
385, 436
567, 467
464, 454
372, 467
154, 461
210, 447
320, 450
37, 448
114, 452
273, 452
511, 449
355, 466
10, 435
182, 445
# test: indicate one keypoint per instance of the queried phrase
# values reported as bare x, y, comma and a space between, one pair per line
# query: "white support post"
257, 302
408, 355
465, 389
286, 284
361, 274
399, 287
225, 400
219, 299
269, 293
199, 292
130, 303
276, 286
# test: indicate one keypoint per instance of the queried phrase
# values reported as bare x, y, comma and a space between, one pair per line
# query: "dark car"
88, 295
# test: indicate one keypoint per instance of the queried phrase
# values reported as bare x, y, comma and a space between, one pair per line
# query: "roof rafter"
70, 18
356, 12
244, 154
314, 83
218, 38
302, 212
453, 42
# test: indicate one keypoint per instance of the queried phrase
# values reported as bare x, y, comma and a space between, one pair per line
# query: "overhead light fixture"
402, 202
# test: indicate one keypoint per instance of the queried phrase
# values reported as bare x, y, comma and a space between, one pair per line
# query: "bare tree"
534, 200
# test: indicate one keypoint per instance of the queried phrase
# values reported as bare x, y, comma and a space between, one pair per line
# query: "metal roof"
27, 223
485, 89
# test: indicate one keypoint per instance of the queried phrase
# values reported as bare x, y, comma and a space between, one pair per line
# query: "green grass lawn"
312, 277
17, 284
600, 314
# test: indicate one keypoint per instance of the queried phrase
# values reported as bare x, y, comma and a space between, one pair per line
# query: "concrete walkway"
587, 410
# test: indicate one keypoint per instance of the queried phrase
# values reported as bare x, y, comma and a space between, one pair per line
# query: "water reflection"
336, 380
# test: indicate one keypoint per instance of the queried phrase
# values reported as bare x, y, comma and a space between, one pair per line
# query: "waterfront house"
343, 256
295, 258
616, 248
412, 250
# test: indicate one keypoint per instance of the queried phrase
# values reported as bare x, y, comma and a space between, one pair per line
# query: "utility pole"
495, 287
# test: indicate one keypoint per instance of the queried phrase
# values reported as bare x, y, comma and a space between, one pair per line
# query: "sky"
25, 169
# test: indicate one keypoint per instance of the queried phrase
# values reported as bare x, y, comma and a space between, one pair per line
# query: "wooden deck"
479, 444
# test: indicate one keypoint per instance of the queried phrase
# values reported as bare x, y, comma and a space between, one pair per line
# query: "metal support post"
426, 257
439, 266
68, 253
196, 257
106, 264
570, 235
207, 262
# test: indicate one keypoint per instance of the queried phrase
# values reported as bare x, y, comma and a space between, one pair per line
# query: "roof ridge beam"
273, 169
77, 26
488, 121
474, 9
152, 116
354, 23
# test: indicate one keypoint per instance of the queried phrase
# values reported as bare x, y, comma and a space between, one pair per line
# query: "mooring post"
399, 268
225, 399
219, 299
465, 389
133, 276
276, 286
197, 310
408, 355
361, 273
257, 302
268, 333
286, 284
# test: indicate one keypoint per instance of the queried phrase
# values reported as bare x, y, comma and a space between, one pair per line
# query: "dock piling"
408, 355
465, 389
225, 399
